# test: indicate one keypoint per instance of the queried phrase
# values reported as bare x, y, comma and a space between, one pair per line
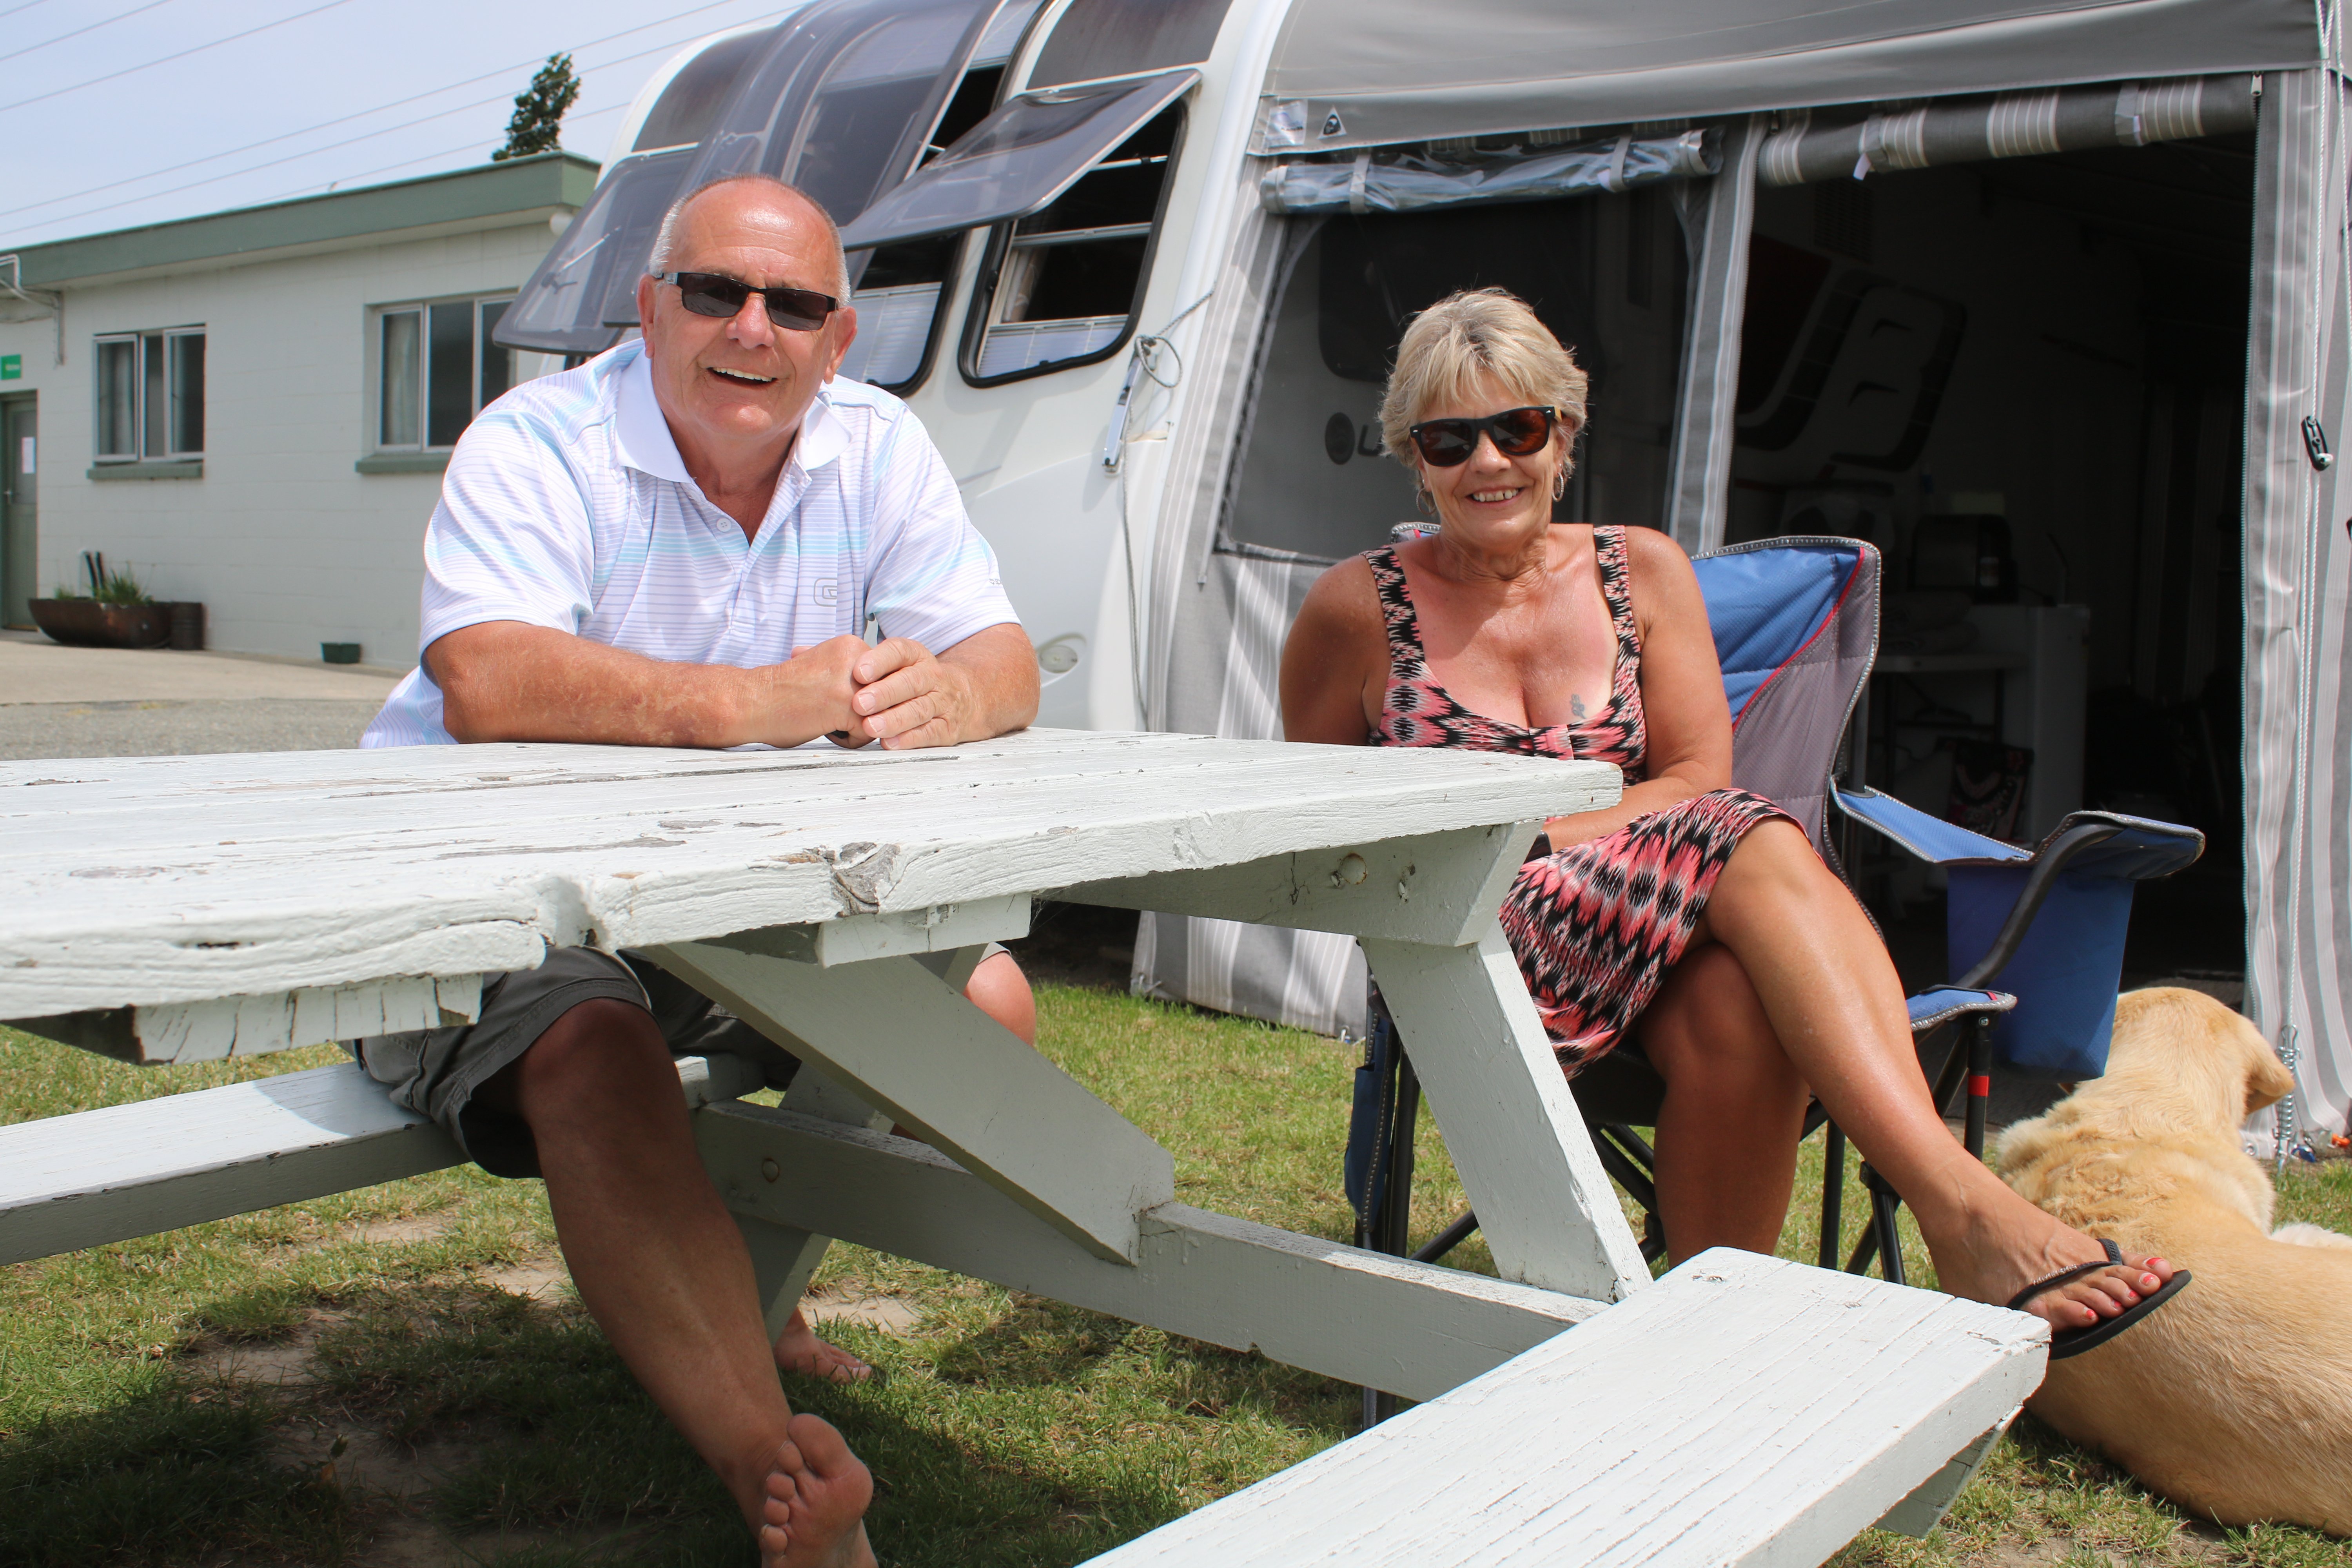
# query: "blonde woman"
1692, 918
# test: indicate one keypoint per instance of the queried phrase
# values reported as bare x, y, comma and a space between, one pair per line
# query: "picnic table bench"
173, 910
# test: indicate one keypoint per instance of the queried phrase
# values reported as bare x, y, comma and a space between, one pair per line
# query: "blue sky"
82, 155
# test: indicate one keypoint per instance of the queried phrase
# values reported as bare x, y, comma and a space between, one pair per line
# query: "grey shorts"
436, 1072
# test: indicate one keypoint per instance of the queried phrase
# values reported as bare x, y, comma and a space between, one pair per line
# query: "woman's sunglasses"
1517, 433
708, 294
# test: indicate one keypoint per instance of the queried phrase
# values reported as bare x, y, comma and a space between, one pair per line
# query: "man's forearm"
503, 680
1003, 668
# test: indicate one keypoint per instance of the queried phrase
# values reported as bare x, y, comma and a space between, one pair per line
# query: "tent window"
1060, 288
1313, 480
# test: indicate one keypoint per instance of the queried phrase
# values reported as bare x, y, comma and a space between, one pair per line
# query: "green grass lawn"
400, 1377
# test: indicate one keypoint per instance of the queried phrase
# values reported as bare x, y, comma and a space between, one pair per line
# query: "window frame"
942, 308
979, 310
377, 364
168, 338
959, 244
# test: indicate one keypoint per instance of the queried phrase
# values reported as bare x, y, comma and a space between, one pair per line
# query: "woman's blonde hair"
1467, 336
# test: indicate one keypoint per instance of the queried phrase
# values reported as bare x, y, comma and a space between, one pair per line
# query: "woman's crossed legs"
1786, 986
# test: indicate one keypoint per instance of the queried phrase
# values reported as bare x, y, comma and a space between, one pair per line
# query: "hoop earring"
1423, 500
1559, 483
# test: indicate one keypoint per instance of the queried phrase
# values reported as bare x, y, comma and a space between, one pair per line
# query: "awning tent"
1375, 72
1906, 83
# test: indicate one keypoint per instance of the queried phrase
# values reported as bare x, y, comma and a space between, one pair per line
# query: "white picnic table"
186, 908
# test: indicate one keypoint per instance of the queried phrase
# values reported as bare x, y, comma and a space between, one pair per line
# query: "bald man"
680, 544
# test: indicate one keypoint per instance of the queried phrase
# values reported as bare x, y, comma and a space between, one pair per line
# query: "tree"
538, 123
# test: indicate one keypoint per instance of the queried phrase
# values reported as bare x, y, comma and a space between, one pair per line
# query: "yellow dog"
2236, 1400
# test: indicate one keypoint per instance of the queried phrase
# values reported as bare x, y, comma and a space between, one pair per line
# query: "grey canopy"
1017, 160
1355, 73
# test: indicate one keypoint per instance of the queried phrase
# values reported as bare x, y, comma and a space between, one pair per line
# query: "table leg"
785, 1257
899, 1034
1545, 1205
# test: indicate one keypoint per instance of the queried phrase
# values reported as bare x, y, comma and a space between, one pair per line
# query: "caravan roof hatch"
839, 100
1017, 161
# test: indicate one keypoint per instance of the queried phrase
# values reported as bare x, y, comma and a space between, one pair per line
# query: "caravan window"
1060, 288
898, 289
1605, 272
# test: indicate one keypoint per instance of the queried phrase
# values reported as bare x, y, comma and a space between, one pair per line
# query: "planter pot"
85, 622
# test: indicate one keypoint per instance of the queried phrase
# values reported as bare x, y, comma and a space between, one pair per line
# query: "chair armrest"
1940, 1005
1930, 838
2052, 858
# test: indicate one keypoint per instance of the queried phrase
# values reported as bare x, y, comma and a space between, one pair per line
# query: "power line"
309, 185
78, 32
309, 152
27, 5
360, 114
420, 158
167, 59
314, 152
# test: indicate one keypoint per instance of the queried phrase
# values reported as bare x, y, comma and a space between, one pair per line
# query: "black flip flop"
2065, 1343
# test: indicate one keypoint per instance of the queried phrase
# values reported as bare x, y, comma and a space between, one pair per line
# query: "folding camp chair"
1795, 623
2048, 924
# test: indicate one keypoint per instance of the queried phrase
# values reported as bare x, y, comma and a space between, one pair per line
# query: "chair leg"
1881, 1235
1832, 1193
1979, 1082
1391, 1232
1633, 1164
1447, 1241
1396, 1203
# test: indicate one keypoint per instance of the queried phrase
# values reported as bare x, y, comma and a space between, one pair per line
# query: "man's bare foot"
798, 1349
2011, 1244
814, 1514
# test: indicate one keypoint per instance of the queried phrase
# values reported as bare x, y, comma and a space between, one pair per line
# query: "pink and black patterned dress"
1595, 926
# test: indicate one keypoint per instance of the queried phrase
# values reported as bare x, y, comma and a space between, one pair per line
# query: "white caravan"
2048, 297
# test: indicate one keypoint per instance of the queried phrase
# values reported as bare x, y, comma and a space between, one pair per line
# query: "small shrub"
122, 588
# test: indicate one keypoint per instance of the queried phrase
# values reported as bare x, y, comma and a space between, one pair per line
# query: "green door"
18, 465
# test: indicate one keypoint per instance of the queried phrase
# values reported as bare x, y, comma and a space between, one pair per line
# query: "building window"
1060, 288
150, 396
435, 368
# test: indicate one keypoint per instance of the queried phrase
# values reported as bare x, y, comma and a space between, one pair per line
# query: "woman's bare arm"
1335, 661
1682, 693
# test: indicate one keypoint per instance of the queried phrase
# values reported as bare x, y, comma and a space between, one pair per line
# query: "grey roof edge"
460, 199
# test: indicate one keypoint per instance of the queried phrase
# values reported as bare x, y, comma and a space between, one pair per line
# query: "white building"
253, 409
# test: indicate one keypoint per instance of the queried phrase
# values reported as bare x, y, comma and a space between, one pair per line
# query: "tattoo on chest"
1576, 706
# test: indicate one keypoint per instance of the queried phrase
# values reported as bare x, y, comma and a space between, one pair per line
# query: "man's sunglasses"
708, 294
1517, 433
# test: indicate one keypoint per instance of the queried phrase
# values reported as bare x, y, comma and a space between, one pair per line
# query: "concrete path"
119, 702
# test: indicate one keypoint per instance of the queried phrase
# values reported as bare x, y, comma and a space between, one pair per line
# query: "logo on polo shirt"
828, 592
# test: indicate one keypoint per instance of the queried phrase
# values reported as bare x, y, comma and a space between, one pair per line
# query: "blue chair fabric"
2065, 973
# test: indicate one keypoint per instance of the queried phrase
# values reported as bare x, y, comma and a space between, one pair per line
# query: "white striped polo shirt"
566, 505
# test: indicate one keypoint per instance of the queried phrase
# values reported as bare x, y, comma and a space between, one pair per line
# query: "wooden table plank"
150, 880
1744, 1410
